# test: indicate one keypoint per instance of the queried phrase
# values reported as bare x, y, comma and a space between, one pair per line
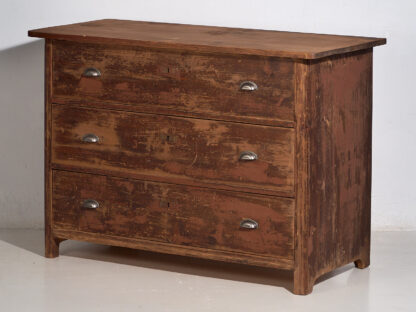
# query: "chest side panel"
334, 177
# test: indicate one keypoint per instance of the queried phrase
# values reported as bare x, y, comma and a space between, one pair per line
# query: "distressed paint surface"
175, 83
334, 201
172, 149
172, 213
172, 124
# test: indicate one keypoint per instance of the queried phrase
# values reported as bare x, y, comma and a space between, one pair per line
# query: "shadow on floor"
179, 264
32, 241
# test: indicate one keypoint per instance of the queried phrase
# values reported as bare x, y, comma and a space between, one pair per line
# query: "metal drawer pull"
249, 224
91, 72
90, 138
90, 204
248, 156
248, 86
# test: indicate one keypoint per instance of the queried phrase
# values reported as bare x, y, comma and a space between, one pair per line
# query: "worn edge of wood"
42, 33
161, 247
51, 242
47, 148
301, 270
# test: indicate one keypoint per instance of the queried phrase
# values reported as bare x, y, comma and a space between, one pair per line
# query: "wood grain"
176, 150
127, 208
172, 213
208, 39
51, 242
172, 124
174, 83
334, 166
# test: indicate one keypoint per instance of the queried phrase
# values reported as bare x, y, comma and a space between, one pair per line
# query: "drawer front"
174, 149
174, 83
172, 213
124, 208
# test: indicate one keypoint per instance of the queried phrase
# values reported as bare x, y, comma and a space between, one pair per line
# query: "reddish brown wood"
334, 108
176, 150
209, 39
174, 83
172, 213
166, 169
301, 280
51, 242
207, 218
145, 244
126, 208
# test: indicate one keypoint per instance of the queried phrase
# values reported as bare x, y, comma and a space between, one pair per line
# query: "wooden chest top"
209, 39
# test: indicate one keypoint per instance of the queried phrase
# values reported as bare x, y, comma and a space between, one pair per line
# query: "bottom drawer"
176, 214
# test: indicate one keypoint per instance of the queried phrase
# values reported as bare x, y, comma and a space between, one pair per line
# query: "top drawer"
174, 83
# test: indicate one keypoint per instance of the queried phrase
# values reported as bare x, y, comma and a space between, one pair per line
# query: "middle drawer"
172, 149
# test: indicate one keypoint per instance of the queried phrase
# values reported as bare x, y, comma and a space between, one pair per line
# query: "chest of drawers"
236, 145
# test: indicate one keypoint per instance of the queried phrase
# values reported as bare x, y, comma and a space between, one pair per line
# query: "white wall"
21, 84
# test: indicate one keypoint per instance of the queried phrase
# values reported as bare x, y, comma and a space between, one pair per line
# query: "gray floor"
88, 277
